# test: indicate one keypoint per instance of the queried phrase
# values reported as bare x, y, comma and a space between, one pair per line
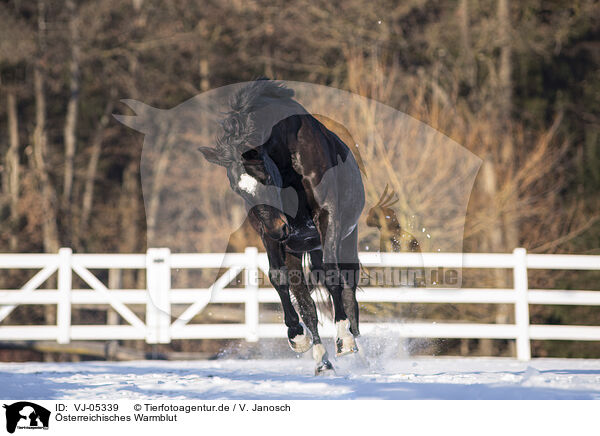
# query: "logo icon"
26, 415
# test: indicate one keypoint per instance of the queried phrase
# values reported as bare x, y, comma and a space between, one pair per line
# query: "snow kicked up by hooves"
423, 378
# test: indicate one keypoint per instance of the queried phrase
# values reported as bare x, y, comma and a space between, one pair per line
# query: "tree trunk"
90, 174
70, 128
12, 166
504, 69
465, 34
204, 74
40, 141
48, 200
504, 107
509, 218
494, 235
129, 213
159, 169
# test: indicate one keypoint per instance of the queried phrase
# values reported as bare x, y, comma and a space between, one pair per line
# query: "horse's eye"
251, 155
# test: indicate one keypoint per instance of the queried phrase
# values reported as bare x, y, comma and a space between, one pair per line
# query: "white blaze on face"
248, 184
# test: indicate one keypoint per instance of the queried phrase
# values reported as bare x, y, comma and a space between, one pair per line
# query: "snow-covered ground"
422, 378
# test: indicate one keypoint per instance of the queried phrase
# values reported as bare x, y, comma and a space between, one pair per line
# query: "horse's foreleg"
321, 359
299, 337
308, 312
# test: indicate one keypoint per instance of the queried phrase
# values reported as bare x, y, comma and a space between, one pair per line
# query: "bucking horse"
304, 194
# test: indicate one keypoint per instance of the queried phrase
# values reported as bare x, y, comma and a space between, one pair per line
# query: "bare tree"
70, 127
48, 198
92, 168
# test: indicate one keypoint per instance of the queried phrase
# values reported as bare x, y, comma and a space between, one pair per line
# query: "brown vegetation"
514, 83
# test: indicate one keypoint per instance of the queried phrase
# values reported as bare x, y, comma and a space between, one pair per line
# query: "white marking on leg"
247, 183
303, 342
343, 328
321, 359
299, 339
344, 340
319, 352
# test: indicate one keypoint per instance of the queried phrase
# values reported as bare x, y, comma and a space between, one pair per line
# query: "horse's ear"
146, 116
212, 155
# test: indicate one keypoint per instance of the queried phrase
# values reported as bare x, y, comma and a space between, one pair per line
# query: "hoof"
301, 343
345, 346
344, 343
324, 368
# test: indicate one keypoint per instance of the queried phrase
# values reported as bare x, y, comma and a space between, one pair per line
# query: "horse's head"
254, 176
382, 215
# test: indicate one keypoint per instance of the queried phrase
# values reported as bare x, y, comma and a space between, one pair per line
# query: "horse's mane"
239, 126
253, 96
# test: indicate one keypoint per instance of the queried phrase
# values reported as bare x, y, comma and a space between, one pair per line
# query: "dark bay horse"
304, 194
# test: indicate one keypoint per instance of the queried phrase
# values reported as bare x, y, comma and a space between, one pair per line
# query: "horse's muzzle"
272, 222
280, 232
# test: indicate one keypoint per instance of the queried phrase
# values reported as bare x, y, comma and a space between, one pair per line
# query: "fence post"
251, 306
158, 305
521, 304
63, 305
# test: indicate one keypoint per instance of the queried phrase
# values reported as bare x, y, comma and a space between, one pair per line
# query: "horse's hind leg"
351, 274
332, 276
308, 312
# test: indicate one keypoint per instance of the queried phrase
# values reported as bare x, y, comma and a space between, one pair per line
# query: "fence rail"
159, 296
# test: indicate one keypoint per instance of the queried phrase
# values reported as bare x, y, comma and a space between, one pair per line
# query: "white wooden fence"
158, 326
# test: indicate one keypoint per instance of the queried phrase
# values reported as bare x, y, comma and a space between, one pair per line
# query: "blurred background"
515, 83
